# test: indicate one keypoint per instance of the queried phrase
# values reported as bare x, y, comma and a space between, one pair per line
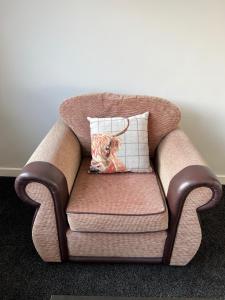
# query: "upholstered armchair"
148, 217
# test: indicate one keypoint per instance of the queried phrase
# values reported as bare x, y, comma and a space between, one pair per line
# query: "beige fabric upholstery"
61, 148
116, 215
164, 116
189, 235
174, 153
44, 231
116, 245
129, 202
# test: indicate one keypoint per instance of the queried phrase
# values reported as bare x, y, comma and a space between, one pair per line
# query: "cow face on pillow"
104, 148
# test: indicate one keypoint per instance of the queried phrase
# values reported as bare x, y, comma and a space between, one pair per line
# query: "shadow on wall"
12, 139
25, 118
204, 135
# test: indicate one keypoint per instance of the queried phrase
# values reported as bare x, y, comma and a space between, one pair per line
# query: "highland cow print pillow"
120, 144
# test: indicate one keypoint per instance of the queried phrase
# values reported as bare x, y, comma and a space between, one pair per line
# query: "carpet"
23, 275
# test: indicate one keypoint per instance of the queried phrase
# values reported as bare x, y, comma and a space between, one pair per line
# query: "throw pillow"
120, 144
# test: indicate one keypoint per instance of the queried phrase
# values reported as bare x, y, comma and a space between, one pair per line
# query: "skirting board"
221, 179
9, 172
13, 172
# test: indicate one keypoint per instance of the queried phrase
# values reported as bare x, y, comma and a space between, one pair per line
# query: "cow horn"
124, 130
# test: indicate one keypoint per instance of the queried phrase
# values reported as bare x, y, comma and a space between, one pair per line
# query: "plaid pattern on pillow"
120, 144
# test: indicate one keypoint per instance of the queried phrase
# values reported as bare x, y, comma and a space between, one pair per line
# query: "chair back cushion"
163, 115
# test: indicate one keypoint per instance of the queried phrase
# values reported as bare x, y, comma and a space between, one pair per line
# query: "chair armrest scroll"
181, 185
46, 182
51, 177
190, 187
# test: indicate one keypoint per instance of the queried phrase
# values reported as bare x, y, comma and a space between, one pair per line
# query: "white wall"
53, 49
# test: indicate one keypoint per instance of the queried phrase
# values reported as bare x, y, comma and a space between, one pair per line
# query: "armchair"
117, 217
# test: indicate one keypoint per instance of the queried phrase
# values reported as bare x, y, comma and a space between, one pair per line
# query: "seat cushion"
128, 202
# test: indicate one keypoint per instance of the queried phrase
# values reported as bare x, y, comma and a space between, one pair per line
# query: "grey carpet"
23, 275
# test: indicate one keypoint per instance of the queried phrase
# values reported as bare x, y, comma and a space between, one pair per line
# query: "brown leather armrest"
50, 176
54, 164
180, 186
188, 179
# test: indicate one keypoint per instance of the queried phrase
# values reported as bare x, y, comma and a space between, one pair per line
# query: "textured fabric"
189, 235
129, 202
164, 116
44, 230
61, 148
116, 245
174, 153
120, 144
